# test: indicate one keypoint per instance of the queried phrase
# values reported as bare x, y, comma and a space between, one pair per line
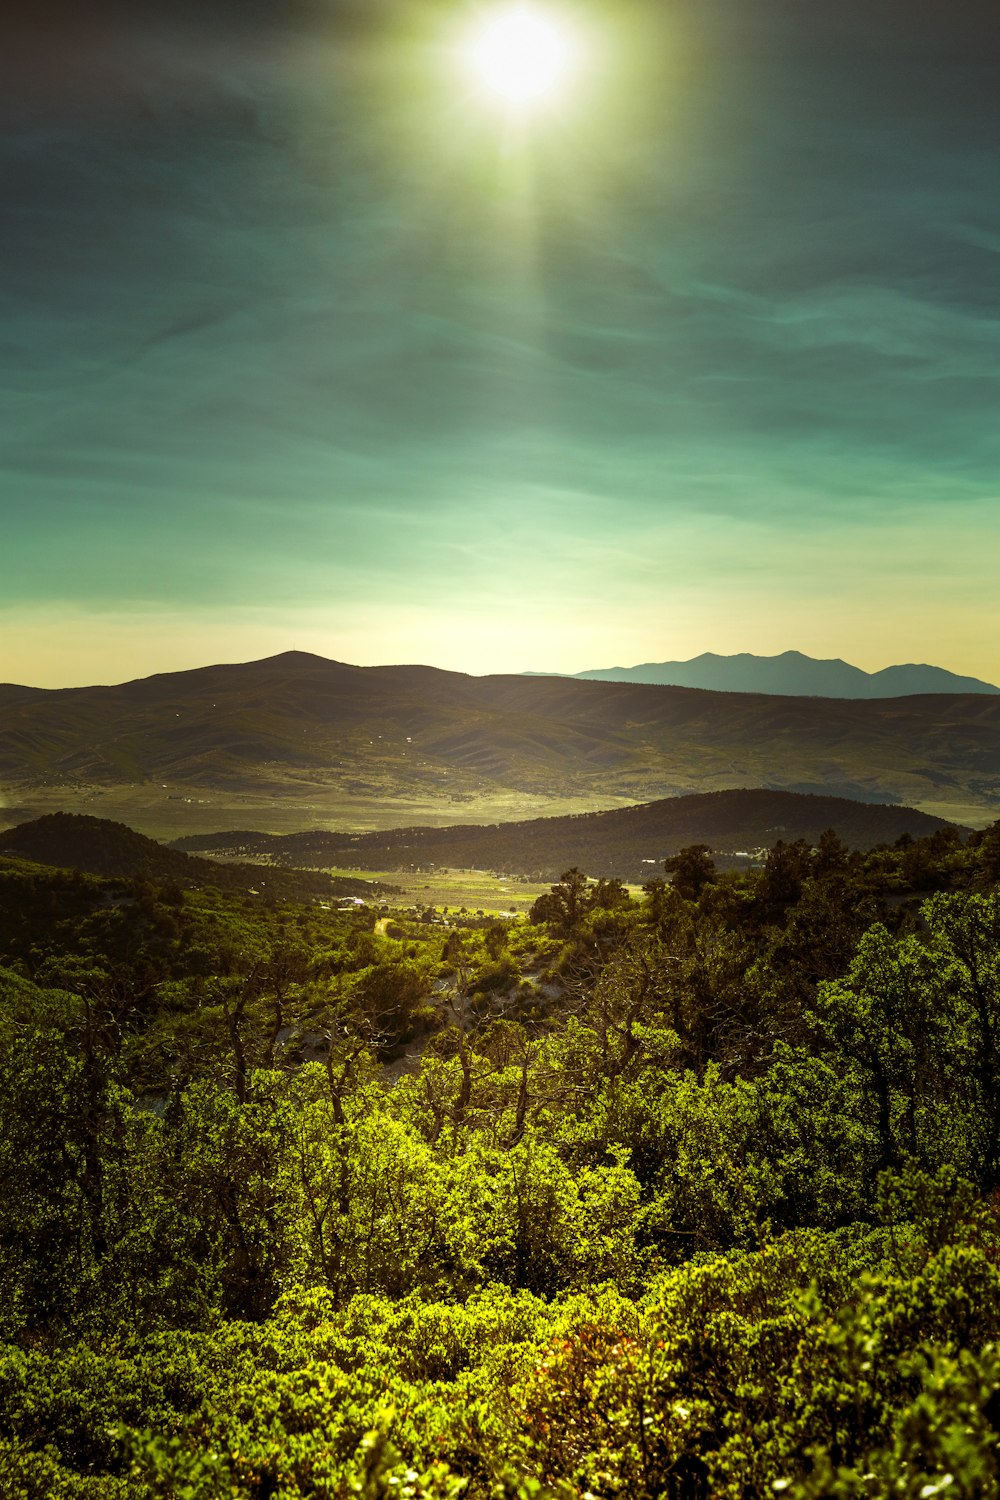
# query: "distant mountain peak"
294, 654
792, 674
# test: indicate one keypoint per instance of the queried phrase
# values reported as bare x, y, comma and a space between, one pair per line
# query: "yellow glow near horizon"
521, 56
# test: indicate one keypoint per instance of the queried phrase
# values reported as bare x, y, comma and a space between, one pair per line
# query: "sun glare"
521, 57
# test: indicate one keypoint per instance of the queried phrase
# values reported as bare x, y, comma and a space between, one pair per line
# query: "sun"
521, 57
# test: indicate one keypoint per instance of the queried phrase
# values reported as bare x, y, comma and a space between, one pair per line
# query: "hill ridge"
104, 847
307, 731
622, 842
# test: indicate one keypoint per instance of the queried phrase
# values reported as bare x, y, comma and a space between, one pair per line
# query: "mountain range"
304, 730
628, 842
791, 674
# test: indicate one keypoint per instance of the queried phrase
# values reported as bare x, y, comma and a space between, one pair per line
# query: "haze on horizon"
305, 347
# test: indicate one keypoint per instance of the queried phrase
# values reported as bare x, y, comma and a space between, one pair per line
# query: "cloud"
274, 328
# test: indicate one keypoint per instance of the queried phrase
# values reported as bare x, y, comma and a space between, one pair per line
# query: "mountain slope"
628, 842
792, 674
297, 725
100, 847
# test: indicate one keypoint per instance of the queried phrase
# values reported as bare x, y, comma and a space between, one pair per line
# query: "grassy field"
476, 890
969, 814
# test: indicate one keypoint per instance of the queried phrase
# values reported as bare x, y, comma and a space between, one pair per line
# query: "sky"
305, 344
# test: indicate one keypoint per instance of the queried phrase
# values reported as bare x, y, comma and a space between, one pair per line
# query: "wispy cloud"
269, 332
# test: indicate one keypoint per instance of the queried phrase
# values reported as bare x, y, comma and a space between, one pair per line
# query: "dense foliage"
689, 1195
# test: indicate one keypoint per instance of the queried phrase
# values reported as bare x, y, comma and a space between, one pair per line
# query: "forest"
688, 1194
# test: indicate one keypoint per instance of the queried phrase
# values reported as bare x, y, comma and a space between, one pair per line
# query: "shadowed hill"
628, 842
99, 847
297, 725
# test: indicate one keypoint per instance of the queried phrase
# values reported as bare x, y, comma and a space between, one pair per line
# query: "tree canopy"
692, 1194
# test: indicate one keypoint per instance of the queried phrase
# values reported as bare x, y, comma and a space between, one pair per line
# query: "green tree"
566, 904
691, 869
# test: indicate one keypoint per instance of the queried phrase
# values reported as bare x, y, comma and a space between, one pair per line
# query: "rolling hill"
629, 842
98, 847
300, 728
792, 674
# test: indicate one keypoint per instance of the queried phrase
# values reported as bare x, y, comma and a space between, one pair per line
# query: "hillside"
627, 842
99, 847
299, 1202
300, 729
792, 674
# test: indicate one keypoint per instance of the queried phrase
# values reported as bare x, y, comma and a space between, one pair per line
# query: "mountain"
307, 733
791, 674
97, 846
629, 842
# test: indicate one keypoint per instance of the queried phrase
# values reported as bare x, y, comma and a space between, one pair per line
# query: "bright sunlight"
521, 56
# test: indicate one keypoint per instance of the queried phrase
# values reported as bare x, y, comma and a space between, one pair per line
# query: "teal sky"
302, 346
